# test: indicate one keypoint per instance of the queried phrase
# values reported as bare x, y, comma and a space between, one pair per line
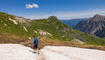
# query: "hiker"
35, 44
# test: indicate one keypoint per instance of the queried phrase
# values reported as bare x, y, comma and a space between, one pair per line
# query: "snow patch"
14, 21
72, 53
20, 52
16, 52
25, 28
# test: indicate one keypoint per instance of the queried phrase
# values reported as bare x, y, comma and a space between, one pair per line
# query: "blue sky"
63, 9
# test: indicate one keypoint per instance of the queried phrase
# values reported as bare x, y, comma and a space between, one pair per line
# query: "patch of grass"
7, 26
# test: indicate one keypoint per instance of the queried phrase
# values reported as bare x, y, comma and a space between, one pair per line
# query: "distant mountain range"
94, 25
72, 22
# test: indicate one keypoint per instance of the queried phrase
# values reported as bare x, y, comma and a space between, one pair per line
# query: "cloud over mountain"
67, 14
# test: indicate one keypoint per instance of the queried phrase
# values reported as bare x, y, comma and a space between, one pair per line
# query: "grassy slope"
10, 27
91, 39
11, 31
50, 25
16, 33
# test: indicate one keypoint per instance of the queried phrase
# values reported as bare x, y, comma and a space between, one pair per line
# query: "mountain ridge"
92, 25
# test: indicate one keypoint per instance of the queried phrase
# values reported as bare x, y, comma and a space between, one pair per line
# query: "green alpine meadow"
15, 29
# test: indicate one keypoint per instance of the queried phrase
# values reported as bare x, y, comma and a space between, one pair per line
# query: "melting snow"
20, 52
25, 28
15, 52
72, 53
14, 21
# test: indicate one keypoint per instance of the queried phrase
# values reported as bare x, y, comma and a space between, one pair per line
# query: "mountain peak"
94, 25
53, 17
98, 17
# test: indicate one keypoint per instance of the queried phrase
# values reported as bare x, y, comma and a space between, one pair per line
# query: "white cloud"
68, 15
32, 6
81, 14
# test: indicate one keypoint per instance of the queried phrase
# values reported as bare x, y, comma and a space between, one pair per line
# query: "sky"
63, 9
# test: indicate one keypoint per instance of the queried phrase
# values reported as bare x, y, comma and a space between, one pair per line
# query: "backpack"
35, 41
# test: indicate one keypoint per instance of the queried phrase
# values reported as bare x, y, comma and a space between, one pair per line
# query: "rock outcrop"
94, 25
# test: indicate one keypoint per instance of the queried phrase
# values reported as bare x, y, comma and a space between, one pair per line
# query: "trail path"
20, 52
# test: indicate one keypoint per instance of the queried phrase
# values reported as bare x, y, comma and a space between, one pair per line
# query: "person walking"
35, 44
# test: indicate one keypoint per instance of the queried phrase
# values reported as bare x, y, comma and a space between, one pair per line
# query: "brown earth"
52, 42
5, 38
44, 41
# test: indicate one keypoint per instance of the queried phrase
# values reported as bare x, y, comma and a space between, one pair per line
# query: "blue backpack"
35, 41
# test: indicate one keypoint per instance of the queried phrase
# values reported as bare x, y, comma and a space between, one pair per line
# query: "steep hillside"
15, 29
94, 25
53, 26
61, 31
11, 30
